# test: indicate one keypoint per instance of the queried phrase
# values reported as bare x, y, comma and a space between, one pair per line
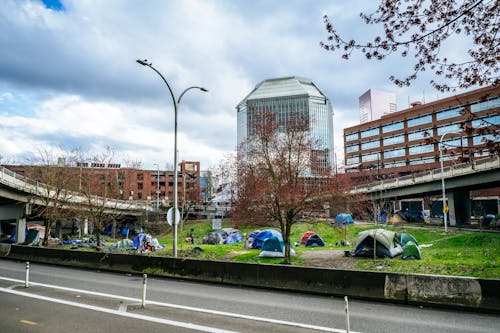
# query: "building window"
395, 164
351, 149
140, 186
421, 149
353, 160
140, 176
489, 104
394, 153
419, 135
451, 113
369, 132
369, 157
394, 140
370, 144
419, 120
351, 137
486, 121
393, 127
480, 139
453, 128
422, 161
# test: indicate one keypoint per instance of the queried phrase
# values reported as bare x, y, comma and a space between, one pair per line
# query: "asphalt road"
180, 306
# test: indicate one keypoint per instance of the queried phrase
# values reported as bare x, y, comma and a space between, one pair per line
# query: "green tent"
404, 238
411, 251
386, 243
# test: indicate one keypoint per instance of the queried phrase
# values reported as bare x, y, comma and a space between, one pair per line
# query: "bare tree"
55, 179
102, 186
420, 28
280, 178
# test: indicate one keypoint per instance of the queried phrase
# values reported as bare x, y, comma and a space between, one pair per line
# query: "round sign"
170, 216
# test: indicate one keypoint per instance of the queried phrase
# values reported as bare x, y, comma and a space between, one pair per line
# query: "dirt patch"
328, 259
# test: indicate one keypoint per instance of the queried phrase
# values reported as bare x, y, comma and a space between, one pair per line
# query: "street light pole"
176, 107
445, 217
157, 186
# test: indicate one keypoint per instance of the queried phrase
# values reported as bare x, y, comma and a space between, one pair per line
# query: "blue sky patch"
53, 4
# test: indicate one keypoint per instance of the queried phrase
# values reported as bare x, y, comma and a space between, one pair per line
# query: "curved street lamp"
176, 107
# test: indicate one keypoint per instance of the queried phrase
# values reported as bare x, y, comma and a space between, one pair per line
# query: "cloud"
70, 76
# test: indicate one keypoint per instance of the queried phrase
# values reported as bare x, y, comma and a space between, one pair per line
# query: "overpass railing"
484, 164
30, 186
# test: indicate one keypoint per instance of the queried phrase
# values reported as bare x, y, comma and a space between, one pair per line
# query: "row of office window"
440, 115
423, 148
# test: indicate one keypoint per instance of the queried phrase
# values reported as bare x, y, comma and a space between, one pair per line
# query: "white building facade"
374, 104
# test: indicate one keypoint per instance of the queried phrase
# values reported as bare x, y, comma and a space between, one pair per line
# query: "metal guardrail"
489, 163
30, 186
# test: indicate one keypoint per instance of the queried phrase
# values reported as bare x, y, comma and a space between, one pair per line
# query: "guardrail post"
144, 285
27, 277
347, 324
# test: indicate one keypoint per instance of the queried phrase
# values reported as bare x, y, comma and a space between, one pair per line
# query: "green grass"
458, 253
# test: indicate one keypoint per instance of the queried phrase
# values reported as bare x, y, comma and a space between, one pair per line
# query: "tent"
215, 237
273, 247
409, 245
233, 236
305, 237
411, 251
387, 244
256, 238
315, 240
343, 219
33, 237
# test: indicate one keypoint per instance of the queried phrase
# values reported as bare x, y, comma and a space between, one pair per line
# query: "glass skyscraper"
290, 97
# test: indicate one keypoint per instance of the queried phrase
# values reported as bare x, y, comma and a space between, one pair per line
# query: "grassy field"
459, 253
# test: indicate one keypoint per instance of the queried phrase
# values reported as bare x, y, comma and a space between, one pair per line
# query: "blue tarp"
233, 237
139, 240
260, 237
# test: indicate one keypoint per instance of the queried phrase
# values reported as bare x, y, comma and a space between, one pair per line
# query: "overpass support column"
16, 212
459, 207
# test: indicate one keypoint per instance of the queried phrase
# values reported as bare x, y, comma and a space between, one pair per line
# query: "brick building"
131, 183
407, 141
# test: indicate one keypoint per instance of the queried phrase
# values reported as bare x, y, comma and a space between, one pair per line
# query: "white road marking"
119, 313
188, 308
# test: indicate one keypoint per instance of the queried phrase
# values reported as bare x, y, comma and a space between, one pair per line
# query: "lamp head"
203, 89
143, 62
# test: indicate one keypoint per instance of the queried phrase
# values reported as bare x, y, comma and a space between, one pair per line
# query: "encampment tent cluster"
311, 239
223, 236
386, 243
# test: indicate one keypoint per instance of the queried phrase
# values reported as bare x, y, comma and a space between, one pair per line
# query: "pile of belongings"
146, 243
269, 241
342, 220
223, 236
409, 245
311, 239
123, 244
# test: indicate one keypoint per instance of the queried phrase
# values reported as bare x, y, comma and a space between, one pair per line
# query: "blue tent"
260, 236
343, 219
234, 236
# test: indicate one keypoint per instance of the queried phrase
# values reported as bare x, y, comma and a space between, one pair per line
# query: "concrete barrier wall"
455, 292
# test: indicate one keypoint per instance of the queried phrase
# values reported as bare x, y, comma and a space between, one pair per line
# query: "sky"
69, 77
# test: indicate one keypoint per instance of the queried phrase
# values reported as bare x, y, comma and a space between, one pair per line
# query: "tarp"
215, 237
315, 240
387, 243
305, 237
33, 237
234, 236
